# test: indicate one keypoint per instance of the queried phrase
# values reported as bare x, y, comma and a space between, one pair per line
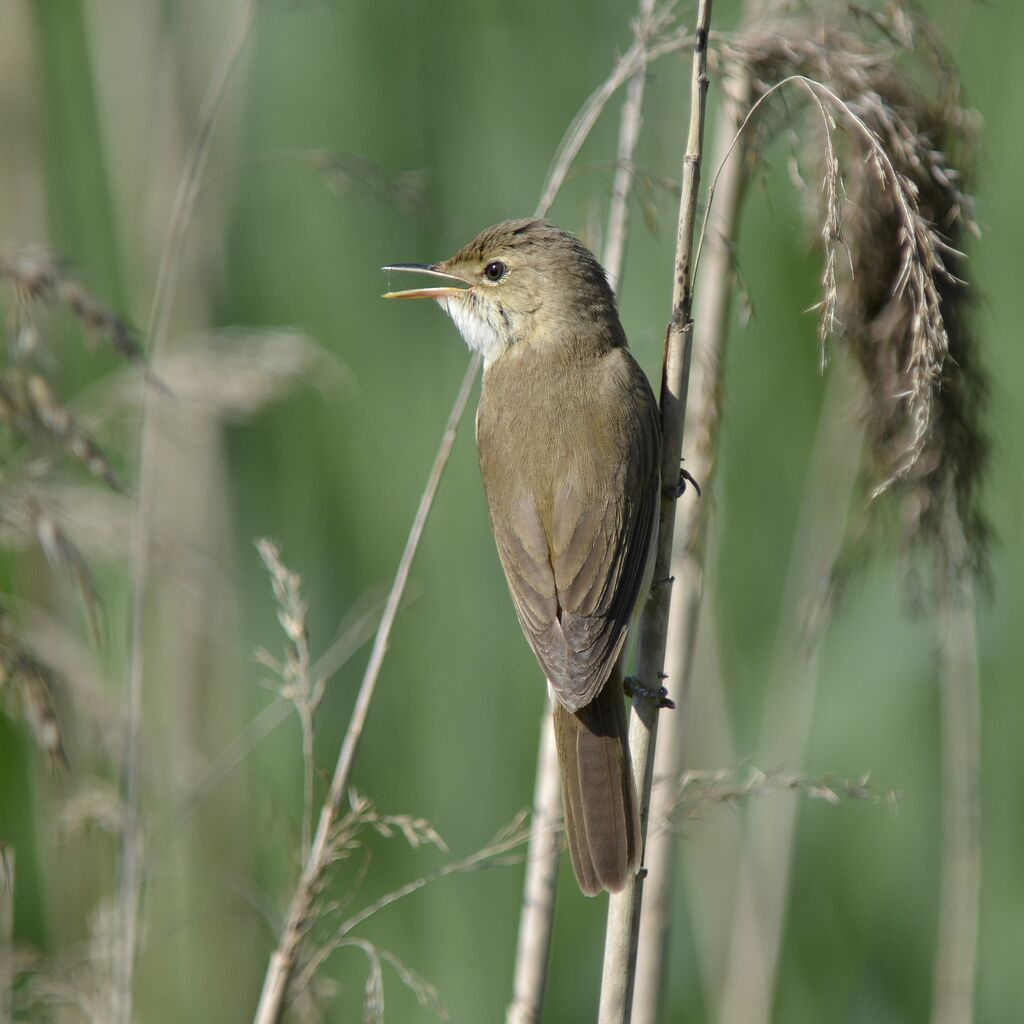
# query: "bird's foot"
677, 490
634, 688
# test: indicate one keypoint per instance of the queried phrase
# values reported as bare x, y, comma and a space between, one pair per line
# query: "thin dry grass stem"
301, 908
697, 792
351, 638
181, 217
621, 937
655, 41
297, 685
426, 994
373, 993
356, 628
190, 182
644, 28
7, 963
501, 850
704, 409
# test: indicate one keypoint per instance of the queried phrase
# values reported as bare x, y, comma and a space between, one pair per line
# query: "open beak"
456, 287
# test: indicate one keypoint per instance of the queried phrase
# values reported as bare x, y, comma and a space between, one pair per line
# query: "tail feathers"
602, 821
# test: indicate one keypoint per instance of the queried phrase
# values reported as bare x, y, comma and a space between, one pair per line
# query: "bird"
569, 441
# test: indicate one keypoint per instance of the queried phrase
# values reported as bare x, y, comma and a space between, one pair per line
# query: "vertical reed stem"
713, 293
621, 936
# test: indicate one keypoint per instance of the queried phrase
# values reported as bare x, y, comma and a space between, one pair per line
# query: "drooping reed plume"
893, 217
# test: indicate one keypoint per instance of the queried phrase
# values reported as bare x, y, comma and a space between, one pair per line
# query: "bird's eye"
495, 270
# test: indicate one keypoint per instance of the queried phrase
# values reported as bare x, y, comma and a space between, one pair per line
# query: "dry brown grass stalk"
373, 993
330, 932
700, 791
296, 682
503, 849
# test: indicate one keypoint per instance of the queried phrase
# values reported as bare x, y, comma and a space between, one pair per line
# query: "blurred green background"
98, 100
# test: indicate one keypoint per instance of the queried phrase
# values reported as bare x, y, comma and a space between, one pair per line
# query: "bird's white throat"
480, 332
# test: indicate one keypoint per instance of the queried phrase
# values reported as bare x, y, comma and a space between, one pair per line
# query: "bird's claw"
634, 688
676, 491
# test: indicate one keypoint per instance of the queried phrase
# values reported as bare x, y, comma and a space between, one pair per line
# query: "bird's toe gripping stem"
634, 688
676, 490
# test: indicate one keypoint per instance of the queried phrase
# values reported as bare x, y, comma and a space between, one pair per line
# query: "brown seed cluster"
892, 216
39, 276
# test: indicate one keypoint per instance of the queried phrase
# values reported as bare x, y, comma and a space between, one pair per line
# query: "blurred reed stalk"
540, 885
148, 470
765, 867
712, 298
7, 966
956, 954
622, 933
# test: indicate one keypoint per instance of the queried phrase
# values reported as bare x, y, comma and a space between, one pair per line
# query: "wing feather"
575, 558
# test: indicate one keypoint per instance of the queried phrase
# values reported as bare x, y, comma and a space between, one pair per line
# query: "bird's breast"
548, 425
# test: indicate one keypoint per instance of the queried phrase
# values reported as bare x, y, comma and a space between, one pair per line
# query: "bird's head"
520, 283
